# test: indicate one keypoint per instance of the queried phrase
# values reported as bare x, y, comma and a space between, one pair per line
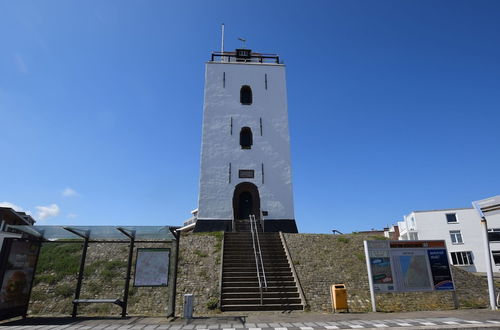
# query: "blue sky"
394, 106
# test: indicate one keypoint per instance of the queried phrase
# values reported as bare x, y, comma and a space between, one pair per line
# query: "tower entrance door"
245, 205
246, 201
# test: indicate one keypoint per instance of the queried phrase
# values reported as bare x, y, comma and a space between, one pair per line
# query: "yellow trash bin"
339, 297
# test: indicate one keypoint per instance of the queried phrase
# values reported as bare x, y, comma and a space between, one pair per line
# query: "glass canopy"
99, 233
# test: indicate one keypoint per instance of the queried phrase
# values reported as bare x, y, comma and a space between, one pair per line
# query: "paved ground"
456, 319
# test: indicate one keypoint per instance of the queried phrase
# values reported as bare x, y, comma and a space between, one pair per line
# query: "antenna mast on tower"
222, 43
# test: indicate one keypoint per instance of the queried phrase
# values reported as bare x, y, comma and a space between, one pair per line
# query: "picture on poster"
18, 273
440, 269
151, 268
381, 270
414, 271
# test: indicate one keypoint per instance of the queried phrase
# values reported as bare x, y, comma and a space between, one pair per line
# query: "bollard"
188, 306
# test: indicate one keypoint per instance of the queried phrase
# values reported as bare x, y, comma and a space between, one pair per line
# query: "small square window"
246, 174
451, 217
494, 235
456, 237
496, 257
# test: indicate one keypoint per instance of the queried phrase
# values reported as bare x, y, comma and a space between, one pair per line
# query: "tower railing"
259, 263
253, 58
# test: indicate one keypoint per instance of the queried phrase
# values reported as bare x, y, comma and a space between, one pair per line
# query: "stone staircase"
240, 284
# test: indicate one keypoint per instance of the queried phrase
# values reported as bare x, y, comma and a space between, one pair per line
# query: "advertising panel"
405, 266
440, 269
381, 271
151, 267
18, 262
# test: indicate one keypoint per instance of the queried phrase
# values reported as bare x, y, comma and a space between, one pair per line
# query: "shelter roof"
99, 233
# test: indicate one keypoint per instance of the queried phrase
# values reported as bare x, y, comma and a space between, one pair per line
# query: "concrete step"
256, 301
249, 253
248, 290
251, 264
228, 279
268, 273
249, 243
265, 257
254, 270
243, 308
280, 294
278, 284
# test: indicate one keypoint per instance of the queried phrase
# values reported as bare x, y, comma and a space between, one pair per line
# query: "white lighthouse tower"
245, 151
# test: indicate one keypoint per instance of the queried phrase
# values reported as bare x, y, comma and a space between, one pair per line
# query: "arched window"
246, 139
246, 95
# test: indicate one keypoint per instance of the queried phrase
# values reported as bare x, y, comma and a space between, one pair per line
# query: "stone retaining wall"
198, 271
321, 260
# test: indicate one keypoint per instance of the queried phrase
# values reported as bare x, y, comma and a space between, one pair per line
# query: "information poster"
405, 266
381, 271
440, 268
18, 263
412, 270
151, 268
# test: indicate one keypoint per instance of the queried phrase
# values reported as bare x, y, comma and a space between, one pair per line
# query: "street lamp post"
483, 207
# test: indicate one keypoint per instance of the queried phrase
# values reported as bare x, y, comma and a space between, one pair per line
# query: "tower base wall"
270, 226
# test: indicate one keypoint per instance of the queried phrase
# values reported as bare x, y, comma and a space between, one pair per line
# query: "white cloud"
14, 207
71, 215
68, 192
48, 211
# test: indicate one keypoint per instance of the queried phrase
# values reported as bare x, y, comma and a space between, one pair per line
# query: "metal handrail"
257, 251
256, 259
260, 253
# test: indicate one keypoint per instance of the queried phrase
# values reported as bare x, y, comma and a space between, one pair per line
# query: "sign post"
370, 277
488, 206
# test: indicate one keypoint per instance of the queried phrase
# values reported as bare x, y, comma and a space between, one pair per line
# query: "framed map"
151, 267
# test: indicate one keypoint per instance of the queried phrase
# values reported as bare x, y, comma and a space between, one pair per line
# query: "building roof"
14, 217
441, 210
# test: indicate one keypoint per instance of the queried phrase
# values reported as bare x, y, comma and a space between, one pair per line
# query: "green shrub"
46, 278
360, 256
59, 258
212, 303
344, 240
200, 253
64, 290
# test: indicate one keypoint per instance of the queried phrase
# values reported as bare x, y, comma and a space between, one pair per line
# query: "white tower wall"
221, 154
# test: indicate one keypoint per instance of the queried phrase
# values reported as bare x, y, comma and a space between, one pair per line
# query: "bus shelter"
153, 266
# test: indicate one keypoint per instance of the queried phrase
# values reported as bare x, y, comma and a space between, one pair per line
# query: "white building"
462, 231
245, 151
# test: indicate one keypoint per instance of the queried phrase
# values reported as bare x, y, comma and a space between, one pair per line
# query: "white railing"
259, 263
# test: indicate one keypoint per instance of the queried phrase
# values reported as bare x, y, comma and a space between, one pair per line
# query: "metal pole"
489, 270
177, 235
222, 44
370, 277
80, 276
127, 278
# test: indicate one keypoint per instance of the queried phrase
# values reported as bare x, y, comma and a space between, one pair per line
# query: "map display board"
151, 267
405, 266
17, 268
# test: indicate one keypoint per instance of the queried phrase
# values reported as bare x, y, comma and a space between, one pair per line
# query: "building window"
246, 138
246, 95
456, 237
496, 257
494, 235
451, 218
462, 258
246, 174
